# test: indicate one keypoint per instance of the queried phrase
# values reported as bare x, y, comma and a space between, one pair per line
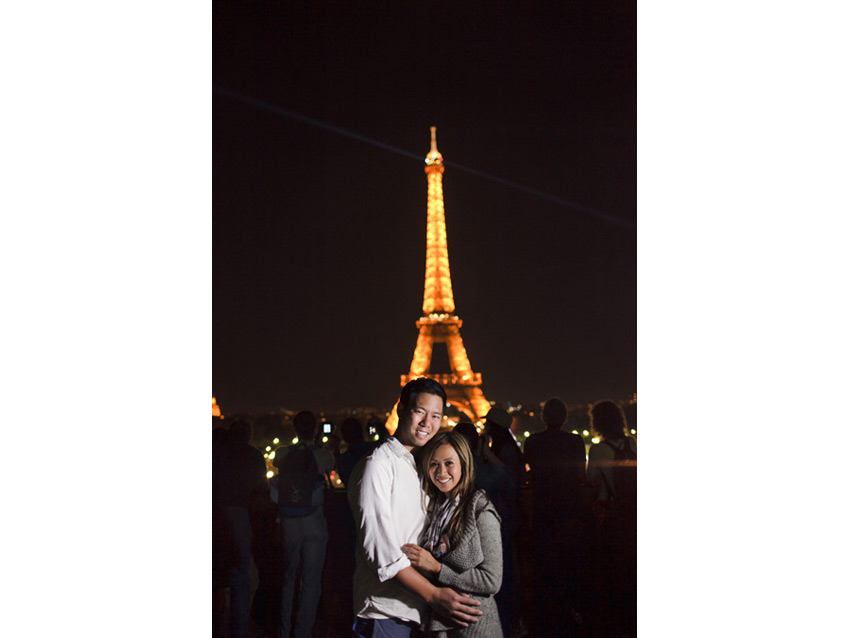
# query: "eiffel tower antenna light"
439, 324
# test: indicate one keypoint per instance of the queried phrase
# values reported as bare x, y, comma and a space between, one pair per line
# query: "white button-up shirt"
389, 510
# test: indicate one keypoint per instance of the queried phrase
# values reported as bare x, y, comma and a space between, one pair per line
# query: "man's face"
420, 421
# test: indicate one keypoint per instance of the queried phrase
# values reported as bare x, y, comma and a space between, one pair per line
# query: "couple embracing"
429, 549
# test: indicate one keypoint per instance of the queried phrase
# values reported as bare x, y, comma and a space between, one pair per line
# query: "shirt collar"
400, 451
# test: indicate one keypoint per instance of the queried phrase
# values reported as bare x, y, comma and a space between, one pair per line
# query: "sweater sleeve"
486, 577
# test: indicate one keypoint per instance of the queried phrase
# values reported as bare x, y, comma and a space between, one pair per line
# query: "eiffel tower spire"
438, 282
439, 324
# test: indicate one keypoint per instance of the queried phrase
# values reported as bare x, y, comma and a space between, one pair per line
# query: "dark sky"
319, 237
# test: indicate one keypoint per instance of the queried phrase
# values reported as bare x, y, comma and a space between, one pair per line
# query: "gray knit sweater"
474, 567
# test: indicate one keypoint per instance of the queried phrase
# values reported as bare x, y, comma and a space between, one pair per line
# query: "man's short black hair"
352, 430
554, 412
418, 386
305, 426
241, 431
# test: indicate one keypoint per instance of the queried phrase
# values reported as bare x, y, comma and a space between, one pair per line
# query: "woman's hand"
421, 559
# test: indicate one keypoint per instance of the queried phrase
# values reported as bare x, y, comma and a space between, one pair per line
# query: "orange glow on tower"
438, 282
439, 324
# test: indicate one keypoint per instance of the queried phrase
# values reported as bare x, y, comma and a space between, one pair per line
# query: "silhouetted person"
556, 460
358, 447
609, 424
615, 560
303, 528
223, 548
239, 472
491, 475
497, 429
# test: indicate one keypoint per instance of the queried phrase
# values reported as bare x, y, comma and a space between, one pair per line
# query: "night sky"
320, 126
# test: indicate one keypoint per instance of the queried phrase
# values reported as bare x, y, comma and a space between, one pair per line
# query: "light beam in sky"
362, 138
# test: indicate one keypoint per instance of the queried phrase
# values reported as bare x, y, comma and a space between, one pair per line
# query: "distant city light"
276, 440
575, 431
594, 440
633, 431
526, 434
268, 448
271, 455
585, 432
269, 474
295, 440
324, 439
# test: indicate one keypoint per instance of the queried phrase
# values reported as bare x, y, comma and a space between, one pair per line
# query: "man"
239, 473
390, 596
497, 427
556, 459
304, 531
358, 447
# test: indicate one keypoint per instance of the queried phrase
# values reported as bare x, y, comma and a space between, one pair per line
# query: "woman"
461, 547
609, 423
612, 466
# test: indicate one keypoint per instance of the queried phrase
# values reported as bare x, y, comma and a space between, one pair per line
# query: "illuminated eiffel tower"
439, 324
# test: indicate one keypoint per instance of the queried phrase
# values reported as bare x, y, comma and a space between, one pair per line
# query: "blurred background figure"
499, 438
358, 447
612, 467
303, 470
223, 547
491, 475
239, 477
557, 470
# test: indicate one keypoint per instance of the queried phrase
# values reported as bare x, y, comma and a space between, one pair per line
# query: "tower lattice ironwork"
439, 324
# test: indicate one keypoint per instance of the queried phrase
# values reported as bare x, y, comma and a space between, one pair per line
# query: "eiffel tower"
439, 324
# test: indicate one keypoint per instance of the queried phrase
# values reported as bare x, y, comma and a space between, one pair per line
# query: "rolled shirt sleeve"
381, 541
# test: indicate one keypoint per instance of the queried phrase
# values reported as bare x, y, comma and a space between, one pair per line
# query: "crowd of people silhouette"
562, 561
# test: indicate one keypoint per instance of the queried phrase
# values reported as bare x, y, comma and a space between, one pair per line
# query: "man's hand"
461, 608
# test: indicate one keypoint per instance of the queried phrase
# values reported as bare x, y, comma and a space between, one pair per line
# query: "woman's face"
444, 468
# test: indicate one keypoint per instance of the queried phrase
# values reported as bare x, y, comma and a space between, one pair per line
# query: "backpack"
624, 471
298, 475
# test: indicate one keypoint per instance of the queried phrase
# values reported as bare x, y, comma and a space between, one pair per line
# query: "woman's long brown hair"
465, 487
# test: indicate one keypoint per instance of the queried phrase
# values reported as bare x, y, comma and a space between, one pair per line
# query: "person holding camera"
301, 485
